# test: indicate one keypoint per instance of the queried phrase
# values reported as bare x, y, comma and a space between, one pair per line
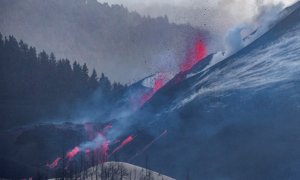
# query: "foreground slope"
120, 170
237, 119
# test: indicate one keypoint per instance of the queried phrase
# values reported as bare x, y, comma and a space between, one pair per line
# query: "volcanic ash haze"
125, 46
215, 16
231, 118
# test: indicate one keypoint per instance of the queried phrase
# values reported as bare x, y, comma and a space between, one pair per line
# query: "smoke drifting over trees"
108, 38
35, 85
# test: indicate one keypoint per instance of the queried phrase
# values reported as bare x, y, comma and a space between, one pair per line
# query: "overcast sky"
215, 15
227, 21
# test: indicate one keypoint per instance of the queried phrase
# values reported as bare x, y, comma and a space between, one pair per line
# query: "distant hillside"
108, 38
37, 85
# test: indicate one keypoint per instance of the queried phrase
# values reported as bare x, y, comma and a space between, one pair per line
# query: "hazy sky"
225, 20
215, 15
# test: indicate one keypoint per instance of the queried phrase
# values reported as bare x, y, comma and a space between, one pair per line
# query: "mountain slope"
236, 120
282, 29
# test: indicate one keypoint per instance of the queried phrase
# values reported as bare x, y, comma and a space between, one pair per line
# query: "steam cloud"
232, 24
219, 17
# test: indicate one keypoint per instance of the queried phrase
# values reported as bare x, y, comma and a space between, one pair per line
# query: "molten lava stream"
159, 82
70, 155
124, 143
194, 56
54, 163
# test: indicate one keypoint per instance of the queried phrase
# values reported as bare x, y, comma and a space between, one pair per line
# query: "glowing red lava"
195, 55
98, 145
127, 140
159, 82
104, 151
72, 153
54, 163
124, 143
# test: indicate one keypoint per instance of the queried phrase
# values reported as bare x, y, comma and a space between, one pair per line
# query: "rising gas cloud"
217, 16
254, 18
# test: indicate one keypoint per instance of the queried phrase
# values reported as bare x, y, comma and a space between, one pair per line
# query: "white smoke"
232, 24
94, 144
262, 67
228, 21
266, 13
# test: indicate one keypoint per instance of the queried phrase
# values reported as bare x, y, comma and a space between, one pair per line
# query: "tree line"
92, 31
33, 85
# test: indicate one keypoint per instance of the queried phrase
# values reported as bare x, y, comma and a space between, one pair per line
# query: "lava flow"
104, 151
70, 155
54, 163
124, 143
194, 55
99, 143
159, 82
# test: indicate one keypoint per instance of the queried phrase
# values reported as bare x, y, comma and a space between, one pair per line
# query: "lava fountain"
193, 56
